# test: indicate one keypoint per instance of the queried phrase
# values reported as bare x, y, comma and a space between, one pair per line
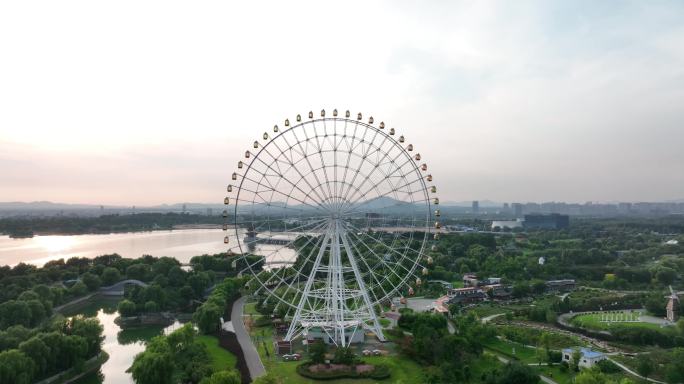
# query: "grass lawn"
220, 358
403, 369
506, 348
485, 310
593, 321
555, 374
250, 309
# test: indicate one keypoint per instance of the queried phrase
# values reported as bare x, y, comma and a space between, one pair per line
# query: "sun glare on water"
56, 244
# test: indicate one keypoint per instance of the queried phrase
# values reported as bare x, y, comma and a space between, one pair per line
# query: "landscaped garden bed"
342, 371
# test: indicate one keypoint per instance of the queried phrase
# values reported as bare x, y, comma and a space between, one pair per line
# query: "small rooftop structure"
588, 357
466, 295
560, 285
673, 306
470, 280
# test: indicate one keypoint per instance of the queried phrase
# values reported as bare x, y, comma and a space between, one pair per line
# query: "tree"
576, 356
317, 352
207, 317
675, 370
521, 290
91, 281
644, 366
666, 275
594, 376
37, 311
514, 373
14, 312
151, 306
16, 367
90, 329
152, 368
73, 350
137, 271
78, 289
344, 355
187, 293
127, 308
222, 377
110, 275
36, 349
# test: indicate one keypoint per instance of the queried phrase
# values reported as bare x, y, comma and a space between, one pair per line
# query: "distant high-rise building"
210, 212
506, 207
184, 207
518, 210
476, 207
552, 221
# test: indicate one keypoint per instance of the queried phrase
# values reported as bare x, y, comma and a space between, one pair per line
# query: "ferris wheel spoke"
370, 271
353, 199
293, 166
311, 167
325, 172
257, 240
387, 266
396, 189
403, 255
386, 153
319, 206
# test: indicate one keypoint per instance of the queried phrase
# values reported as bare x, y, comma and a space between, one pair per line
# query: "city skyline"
533, 101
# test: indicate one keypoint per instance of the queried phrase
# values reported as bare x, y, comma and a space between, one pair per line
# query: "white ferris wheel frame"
336, 307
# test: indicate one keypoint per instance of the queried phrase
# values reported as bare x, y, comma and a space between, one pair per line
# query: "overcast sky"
146, 102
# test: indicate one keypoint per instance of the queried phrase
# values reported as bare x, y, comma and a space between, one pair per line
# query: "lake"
179, 244
121, 345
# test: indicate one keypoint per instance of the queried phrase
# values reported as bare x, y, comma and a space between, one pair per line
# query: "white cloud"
524, 101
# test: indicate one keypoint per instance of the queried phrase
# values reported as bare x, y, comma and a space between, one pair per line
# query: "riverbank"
74, 374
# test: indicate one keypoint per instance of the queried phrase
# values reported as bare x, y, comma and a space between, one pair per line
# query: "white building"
588, 358
510, 224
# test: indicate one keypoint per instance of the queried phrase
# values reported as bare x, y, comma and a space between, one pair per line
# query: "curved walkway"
626, 369
254, 364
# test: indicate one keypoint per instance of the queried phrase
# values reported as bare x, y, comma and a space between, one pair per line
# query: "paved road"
489, 318
254, 364
624, 367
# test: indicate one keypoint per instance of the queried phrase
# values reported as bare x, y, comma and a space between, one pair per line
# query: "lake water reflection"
179, 244
121, 345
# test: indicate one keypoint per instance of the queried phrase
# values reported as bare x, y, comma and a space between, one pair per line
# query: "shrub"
379, 372
607, 366
126, 308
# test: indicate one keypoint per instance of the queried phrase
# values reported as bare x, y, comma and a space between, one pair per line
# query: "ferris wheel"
340, 212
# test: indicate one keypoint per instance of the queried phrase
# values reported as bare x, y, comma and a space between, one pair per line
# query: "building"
476, 207
588, 358
470, 280
566, 285
673, 306
354, 335
507, 224
491, 281
552, 221
466, 295
518, 210
499, 291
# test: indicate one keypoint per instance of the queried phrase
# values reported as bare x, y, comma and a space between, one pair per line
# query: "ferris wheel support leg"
337, 294
375, 328
296, 319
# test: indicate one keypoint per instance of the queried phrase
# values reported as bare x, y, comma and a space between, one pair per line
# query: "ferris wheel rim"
386, 137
